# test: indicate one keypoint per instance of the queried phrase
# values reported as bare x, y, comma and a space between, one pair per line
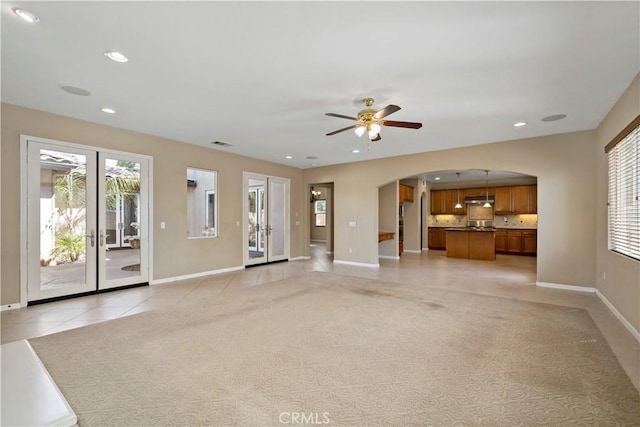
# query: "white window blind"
623, 158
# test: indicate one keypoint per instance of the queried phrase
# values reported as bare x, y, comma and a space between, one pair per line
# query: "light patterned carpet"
334, 350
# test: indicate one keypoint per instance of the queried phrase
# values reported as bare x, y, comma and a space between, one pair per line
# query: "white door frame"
24, 265
245, 217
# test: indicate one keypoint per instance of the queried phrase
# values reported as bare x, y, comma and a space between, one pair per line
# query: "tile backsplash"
512, 221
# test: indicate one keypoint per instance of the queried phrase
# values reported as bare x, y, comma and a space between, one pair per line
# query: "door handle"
102, 237
92, 236
269, 230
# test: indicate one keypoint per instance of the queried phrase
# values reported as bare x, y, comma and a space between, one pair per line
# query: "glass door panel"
61, 206
123, 223
256, 220
278, 229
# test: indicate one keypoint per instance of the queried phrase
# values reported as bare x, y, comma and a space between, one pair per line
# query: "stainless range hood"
478, 200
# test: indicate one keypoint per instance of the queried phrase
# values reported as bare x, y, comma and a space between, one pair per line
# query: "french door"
87, 219
266, 219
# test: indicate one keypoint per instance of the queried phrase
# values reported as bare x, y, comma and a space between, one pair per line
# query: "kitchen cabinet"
514, 241
437, 202
471, 244
501, 240
519, 242
520, 199
444, 202
437, 238
406, 193
450, 201
529, 242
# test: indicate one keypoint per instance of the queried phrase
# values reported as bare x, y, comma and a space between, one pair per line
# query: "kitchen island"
471, 243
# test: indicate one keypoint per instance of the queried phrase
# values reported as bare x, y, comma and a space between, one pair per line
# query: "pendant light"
486, 203
458, 205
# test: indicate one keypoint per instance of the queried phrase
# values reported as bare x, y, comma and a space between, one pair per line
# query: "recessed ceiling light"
116, 56
554, 117
519, 124
26, 15
356, 151
108, 110
75, 90
288, 157
437, 178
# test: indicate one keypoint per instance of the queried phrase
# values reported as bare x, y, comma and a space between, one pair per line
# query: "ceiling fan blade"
341, 116
389, 109
342, 130
411, 125
377, 138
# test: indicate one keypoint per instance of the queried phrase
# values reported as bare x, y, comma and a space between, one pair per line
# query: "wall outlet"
163, 225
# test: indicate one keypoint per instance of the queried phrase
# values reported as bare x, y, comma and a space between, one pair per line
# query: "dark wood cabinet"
437, 202
514, 241
444, 202
529, 242
520, 199
501, 240
406, 193
521, 242
437, 238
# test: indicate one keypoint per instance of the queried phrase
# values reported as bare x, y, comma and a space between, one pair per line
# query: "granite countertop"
474, 229
471, 228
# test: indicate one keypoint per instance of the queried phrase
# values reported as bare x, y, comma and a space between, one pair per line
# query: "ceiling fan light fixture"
360, 131
375, 128
372, 134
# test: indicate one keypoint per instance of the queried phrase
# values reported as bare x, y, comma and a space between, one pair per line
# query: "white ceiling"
261, 75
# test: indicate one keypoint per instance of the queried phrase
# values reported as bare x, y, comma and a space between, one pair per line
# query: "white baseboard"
566, 287
634, 332
411, 251
357, 264
388, 257
194, 275
298, 258
619, 316
13, 306
425, 249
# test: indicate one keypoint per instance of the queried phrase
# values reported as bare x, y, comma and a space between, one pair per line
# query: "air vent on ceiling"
221, 144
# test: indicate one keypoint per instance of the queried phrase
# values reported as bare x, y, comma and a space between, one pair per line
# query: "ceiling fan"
371, 121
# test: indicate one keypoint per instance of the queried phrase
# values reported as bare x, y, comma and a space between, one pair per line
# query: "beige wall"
174, 255
564, 167
617, 277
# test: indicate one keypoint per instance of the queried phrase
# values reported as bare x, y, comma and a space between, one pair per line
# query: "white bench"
30, 397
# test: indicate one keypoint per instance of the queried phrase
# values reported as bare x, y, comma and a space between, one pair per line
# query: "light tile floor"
509, 276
